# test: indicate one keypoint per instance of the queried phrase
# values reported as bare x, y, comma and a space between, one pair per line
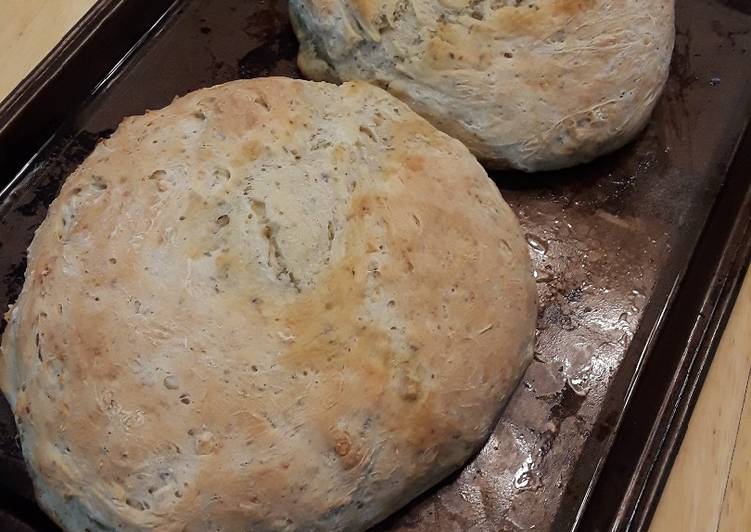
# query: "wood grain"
736, 508
710, 485
29, 30
711, 475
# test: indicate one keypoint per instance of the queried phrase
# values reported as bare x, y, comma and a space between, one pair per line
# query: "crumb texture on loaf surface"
272, 305
527, 84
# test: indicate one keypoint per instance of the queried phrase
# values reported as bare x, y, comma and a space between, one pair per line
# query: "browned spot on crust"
342, 443
533, 21
416, 163
410, 389
350, 456
367, 9
572, 7
248, 152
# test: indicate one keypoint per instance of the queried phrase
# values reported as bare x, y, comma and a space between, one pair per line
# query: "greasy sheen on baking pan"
274, 305
528, 84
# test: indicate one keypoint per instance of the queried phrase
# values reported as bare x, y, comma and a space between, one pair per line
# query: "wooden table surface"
710, 485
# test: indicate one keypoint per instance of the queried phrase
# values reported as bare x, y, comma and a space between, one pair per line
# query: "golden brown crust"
272, 305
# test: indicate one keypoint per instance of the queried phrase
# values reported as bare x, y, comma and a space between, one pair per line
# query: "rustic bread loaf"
528, 84
272, 305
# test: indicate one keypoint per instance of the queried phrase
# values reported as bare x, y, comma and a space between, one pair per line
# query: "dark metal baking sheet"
630, 306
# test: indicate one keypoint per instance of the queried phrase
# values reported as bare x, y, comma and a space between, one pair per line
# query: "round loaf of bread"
528, 84
274, 305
